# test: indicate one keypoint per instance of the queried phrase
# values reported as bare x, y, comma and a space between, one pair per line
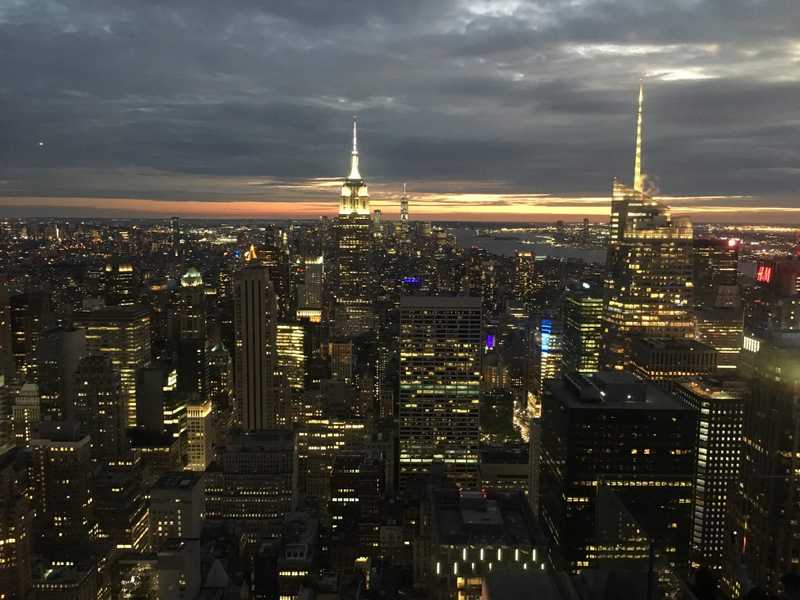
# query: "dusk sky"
496, 109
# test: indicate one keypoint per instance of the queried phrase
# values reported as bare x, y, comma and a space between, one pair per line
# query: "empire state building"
354, 284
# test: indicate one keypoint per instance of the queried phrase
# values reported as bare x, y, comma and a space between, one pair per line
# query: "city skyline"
491, 111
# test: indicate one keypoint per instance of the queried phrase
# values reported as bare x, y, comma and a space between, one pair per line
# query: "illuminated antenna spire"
404, 189
354, 174
637, 168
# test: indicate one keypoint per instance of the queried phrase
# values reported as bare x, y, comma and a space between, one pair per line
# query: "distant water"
539, 244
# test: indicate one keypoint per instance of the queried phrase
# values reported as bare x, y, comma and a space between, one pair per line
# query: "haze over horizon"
491, 110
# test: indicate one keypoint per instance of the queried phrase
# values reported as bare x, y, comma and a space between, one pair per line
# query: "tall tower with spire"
355, 195
404, 227
649, 269
404, 205
353, 284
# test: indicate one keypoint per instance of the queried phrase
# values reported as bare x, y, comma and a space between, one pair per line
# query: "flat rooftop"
612, 390
178, 480
440, 302
474, 518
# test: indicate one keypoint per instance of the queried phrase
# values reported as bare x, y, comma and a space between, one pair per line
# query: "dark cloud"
141, 99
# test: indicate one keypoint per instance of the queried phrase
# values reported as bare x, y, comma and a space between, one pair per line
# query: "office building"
16, 519
300, 554
160, 407
123, 334
290, 343
120, 285
99, 408
309, 293
354, 285
30, 311
219, 374
319, 442
768, 537
253, 482
582, 318
526, 280
441, 340
715, 264
7, 364
255, 323
26, 414
176, 508
629, 435
62, 487
465, 536
668, 359
191, 309
341, 355
546, 354
719, 404
200, 434
120, 505
60, 351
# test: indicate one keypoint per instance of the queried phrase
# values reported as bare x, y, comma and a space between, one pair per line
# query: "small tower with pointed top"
355, 195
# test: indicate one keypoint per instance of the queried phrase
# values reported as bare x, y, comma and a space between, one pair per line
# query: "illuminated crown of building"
192, 278
355, 196
251, 254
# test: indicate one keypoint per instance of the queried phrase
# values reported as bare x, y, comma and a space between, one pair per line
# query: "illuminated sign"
764, 274
490, 342
411, 280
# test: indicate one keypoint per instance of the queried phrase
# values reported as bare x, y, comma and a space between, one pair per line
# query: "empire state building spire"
355, 196
354, 174
637, 168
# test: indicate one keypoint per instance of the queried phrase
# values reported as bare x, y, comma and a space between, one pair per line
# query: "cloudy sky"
504, 109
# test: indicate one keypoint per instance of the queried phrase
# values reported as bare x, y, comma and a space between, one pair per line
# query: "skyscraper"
199, 435
175, 235
613, 429
291, 364
309, 301
767, 524
719, 313
404, 224
119, 282
254, 482
219, 375
62, 484
255, 322
525, 280
649, 267
29, 311
60, 350
15, 527
160, 407
583, 329
191, 333
27, 413
440, 366
7, 367
354, 276
99, 407
123, 334
546, 353
720, 408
